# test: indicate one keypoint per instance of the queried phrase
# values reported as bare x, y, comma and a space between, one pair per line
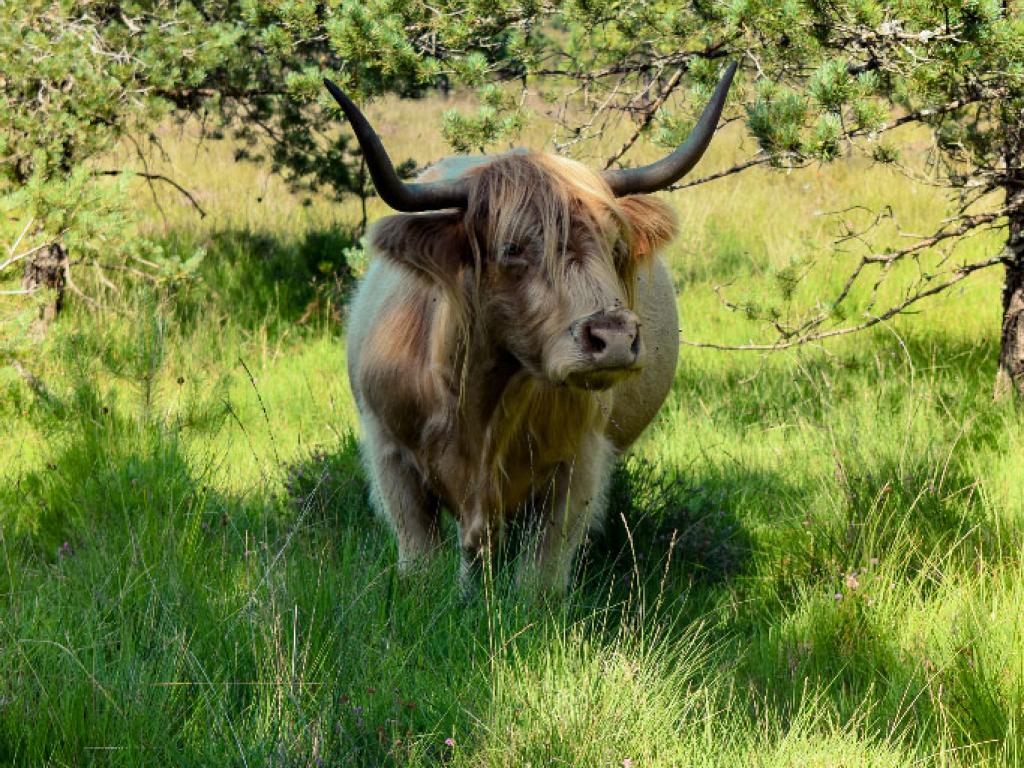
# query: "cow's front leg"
479, 539
577, 503
401, 497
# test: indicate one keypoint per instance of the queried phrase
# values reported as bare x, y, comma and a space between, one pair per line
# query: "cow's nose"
611, 339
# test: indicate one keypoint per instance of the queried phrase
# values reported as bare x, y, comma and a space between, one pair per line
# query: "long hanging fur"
420, 355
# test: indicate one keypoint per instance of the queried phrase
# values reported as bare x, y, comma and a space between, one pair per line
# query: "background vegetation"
812, 557
821, 79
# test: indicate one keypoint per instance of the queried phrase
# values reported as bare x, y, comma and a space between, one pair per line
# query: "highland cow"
515, 331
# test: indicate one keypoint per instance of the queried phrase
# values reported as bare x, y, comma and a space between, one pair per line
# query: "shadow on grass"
661, 525
668, 529
923, 511
920, 510
108, 474
329, 487
148, 614
827, 617
255, 279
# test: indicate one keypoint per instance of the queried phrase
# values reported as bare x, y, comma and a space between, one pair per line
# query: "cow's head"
541, 251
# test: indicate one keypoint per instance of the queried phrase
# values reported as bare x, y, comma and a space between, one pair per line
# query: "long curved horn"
412, 197
668, 170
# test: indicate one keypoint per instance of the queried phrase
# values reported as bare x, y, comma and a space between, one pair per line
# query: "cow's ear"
433, 244
653, 223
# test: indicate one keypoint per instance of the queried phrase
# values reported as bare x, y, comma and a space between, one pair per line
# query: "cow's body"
634, 403
515, 331
492, 442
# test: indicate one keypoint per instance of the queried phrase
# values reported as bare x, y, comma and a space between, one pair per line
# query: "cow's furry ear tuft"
432, 244
653, 223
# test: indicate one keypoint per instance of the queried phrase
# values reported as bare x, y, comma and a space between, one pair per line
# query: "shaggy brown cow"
503, 347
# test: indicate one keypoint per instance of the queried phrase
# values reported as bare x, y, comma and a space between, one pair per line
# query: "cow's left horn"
412, 197
668, 170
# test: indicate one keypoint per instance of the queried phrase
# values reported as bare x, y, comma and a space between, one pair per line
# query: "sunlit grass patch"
640, 701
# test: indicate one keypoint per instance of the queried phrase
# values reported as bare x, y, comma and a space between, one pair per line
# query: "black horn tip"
335, 91
730, 71
410, 198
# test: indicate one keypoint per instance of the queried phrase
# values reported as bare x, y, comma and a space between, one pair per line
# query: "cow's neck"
490, 371
506, 409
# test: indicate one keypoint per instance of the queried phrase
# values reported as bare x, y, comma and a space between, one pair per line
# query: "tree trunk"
47, 271
1010, 377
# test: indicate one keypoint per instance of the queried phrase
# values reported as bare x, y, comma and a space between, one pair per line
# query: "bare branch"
167, 180
966, 224
14, 246
648, 116
37, 385
959, 274
20, 256
761, 159
809, 330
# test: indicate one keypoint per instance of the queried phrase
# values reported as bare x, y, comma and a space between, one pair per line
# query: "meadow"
812, 557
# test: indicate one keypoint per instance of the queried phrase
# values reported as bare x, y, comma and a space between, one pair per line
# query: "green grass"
812, 558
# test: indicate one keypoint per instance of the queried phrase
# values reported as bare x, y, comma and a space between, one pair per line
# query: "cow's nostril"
592, 341
635, 346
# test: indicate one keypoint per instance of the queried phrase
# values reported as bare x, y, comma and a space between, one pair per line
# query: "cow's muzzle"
610, 345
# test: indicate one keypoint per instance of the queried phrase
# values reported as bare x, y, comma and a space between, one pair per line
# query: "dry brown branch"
761, 159
151, 177
959, 274
809, 330
966, 224
37, 385
23, 255
648, 116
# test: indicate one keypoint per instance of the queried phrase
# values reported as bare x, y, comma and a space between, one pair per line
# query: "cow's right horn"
411, 197
668, 170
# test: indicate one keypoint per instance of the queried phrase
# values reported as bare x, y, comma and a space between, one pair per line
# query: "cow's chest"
521, 480
513, 467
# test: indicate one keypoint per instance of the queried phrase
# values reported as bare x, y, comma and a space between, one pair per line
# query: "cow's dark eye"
620, 250
512, 255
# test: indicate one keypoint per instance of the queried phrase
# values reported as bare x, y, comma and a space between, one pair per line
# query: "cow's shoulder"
400, 373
